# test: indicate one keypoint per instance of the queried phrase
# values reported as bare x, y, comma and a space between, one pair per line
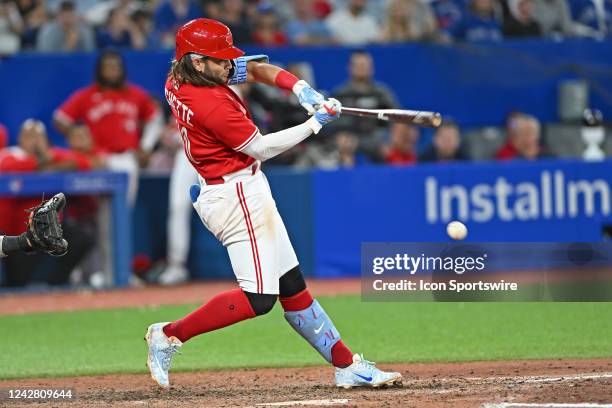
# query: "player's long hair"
184, 72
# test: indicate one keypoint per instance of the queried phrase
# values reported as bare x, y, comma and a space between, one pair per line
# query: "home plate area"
506, 384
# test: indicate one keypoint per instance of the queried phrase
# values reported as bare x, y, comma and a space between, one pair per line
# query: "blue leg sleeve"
316, 328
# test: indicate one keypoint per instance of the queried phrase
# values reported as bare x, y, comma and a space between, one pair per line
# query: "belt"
221, 180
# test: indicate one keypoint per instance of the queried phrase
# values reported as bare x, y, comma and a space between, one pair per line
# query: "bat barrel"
422, 118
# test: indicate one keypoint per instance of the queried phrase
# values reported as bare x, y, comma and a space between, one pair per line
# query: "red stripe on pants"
253, 240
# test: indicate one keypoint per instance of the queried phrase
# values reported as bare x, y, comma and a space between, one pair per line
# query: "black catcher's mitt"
44, 231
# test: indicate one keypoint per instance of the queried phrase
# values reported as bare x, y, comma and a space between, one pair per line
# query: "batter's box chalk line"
545, 405
305, 403
541, 379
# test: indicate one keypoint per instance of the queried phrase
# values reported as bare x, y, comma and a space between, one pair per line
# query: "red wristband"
285, 80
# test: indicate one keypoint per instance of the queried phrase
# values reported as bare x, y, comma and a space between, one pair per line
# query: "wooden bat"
422, 118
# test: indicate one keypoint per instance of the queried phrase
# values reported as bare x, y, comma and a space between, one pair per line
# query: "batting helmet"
208, 37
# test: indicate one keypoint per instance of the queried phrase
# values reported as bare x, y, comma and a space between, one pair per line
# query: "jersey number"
187, 145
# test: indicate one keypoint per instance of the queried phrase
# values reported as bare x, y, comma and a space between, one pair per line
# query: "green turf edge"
434, 332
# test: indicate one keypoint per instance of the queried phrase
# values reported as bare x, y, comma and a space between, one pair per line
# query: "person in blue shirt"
120, 31
305, 28
479, 23
172, 14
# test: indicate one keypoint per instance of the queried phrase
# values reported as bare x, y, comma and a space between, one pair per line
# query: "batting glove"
329, 111
308, 97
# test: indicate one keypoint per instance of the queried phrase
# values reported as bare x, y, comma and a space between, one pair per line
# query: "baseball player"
235, 203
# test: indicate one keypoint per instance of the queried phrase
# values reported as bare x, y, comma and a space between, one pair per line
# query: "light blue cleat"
363, 373
161, 350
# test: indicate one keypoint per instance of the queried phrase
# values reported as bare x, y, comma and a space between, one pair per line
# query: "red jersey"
114, 116
13, 215
3, 137
214, 124
398, 158
507, 152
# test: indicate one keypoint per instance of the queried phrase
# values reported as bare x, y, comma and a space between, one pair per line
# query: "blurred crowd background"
126, 129
54, 25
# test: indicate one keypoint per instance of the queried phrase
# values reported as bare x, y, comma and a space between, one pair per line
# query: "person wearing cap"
234, 201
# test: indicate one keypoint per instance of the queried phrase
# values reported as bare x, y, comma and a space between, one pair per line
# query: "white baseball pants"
243, 216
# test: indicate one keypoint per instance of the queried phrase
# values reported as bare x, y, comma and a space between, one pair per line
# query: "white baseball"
456, 230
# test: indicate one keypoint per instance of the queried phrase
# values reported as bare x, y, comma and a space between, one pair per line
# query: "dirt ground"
475, 384
425, 385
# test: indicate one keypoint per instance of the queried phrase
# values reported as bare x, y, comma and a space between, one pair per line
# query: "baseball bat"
422, 118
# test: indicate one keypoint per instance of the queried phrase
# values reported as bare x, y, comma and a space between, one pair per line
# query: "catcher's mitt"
44, 231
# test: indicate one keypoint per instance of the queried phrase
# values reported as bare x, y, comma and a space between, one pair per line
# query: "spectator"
143, 22
233, 15
401, 150
448, 13
446, 145
598, 19
523, 139
124, 121
411, 20
266, 30
11, 27
338, 152
34, 15
98, 12
212, 9
351, 25
33, 154
120, 31
361, 91
81, 7
172, 14
347, 155
554, 18
520, 20
81, 142
65, 33
479, 24
305, 28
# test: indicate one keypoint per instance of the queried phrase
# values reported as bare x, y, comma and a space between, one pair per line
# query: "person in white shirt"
352, 25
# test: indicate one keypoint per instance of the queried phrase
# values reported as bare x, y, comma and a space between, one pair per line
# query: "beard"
112, 83
212, 78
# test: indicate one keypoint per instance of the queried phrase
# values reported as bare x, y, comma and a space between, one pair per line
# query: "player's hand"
307, 96
328, 111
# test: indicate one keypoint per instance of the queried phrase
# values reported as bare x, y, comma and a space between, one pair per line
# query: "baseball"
456, 230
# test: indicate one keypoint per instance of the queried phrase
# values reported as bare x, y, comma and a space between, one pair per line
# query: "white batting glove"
308, 97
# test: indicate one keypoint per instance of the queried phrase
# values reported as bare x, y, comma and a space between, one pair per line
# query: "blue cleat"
161, 350
363, 373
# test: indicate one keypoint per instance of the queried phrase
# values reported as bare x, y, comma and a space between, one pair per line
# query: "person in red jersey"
523, 139
124, 121
33, 154
234, 201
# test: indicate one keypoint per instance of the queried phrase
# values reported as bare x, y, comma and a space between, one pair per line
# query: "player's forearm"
265, 147
271, 75
263, 72
10, 244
